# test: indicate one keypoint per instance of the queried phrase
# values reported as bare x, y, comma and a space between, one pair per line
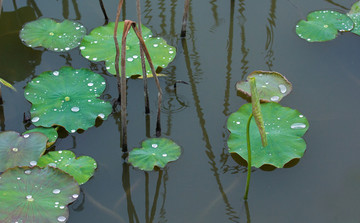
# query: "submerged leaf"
271, 85
52, 35
50, 133
323, 26
35, 195
284, 128
99, 45
68, 98
154, 152
17, 150
81, 168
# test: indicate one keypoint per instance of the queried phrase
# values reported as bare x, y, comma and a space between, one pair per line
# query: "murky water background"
226, 41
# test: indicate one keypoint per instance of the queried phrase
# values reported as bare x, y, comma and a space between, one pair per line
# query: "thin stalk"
104, 11
184, 21
0, 6
156, 196
143, 66
142, 43
1, 99
117, 48
249, 157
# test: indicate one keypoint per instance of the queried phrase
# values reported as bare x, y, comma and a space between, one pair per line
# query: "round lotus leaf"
154, 152
284, 128
81, 168
52, 35
50, 133
354, 14
323, 26
271, 85
68, 98
99, 45
17, 150
35, 195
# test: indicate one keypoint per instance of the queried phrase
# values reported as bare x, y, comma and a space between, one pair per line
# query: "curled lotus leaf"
52, 35
271, 85
354, 14
68, 98
99, 45
154, 152
34, 195
284, 128
323, 26
50, 133
81, 168
17, 150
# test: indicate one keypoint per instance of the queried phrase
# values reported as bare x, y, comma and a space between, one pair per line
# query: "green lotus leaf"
99, 45
354, 14
271, 85
81, 168
52, 35
154, 152
323, 26
35, 195
17, 150
284, 128
68, 98
50, 133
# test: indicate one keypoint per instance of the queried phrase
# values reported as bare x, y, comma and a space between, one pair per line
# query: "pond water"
226, 41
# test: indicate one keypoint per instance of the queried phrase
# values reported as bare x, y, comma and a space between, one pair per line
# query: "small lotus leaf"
81, 168
271, 85
68, 98
354, 14
17, 150
284, 128
52, 35
50, 133
99, 45
154, 152
35, 195
323, 26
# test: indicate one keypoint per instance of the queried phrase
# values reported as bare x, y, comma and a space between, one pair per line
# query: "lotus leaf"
284, 128
354, 14
323, 26
99, 45
81, 168
17, 150
154, 152
50, 133
271, 85
35, 195
68, 98
52, 35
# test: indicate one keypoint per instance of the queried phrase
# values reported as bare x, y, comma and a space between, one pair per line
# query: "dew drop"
35, 119
82, 48
15, 149
73, 130
62, 207
95, 58
298, 126
156, 45
33, 163
29, 198
171, 52
26, 136
129, 59
67, 48
275, 98
135, 56
56, 191
164, 155
238, 123
75, 196
154, 145
56, 73
75, 109
61, 219
282, 88
301, 116
27, 172
101, 115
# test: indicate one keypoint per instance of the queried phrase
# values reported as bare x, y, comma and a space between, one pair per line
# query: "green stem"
249, 157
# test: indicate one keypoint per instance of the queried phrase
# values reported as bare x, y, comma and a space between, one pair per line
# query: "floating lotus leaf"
35, 195
154, 152
323, 26
354, 14
17, 150
68, 98
81, 168
284, 128
271, 85
99, 45
52, 35
50, 133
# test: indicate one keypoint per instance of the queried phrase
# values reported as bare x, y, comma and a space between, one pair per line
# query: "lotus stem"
117, 48
1, 99
256, 111
0, 6
185, 16
249, 157
146, 52
103, 10
143, 66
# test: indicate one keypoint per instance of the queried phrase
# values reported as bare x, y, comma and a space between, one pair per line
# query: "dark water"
226, 41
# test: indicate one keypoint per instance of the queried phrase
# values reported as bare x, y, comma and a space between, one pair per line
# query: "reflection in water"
172, 19
215, 14
127, 188
147, 13
269, 57
244, 50
162, 17
337, 4
247, 211
65, 4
